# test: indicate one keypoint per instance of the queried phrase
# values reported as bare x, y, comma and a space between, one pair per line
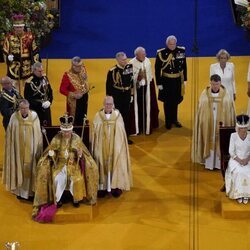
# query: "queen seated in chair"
237, 176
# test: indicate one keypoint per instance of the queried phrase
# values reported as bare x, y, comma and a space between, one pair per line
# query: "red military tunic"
75, 83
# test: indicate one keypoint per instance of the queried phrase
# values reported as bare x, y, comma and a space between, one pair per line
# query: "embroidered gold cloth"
85, 176
204, 123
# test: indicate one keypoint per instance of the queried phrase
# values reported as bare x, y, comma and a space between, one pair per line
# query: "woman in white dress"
225, 70
237, 177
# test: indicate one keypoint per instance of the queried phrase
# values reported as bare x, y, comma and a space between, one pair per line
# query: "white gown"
237, 177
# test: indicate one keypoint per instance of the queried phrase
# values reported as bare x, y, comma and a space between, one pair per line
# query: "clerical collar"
139, 60
24, 117
215, 92
108, 113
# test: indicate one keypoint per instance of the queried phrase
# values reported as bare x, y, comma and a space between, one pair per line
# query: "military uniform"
9, 100
171, 72
38, 90
25, 52
118, 85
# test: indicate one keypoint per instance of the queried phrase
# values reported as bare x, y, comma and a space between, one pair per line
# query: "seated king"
66, 164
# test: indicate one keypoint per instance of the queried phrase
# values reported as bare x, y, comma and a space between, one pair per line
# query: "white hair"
24, 102
76, 60
120, 54
172, 37
221, 52
36, 65
139, 49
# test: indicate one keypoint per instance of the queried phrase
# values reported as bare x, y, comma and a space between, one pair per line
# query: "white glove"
131, 99
51, 153
10, 58
142, 82
46, 104
160, 87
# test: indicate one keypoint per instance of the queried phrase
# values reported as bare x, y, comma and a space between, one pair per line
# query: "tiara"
242, 121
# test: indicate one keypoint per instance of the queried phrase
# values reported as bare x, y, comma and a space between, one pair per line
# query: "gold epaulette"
181, 47
112, 68
29, 79
159, 50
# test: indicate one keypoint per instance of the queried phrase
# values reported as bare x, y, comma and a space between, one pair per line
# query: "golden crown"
66, 122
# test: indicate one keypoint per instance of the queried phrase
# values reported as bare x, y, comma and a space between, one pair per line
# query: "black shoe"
223, 189
177, 124
116, 192
59, 204
31, 198
101, 193
168, 126
130, 142
76, 204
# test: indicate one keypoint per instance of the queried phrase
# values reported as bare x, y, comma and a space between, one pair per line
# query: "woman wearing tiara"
237, 175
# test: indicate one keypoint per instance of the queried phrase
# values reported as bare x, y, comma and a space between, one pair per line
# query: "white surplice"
213, 161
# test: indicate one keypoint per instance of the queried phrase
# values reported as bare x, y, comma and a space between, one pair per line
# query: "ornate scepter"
83, 126
45, 135
54, 162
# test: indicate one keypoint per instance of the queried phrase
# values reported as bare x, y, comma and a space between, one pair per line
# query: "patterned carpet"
158, 213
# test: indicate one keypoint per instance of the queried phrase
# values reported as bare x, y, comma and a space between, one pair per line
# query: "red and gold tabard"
73, 83
25, 53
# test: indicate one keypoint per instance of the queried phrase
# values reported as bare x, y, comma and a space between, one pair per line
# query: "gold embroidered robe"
109, 148
23, 148
84, 176
204, 123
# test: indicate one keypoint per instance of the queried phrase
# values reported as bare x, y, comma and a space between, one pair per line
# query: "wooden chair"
53, 130
224, 138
